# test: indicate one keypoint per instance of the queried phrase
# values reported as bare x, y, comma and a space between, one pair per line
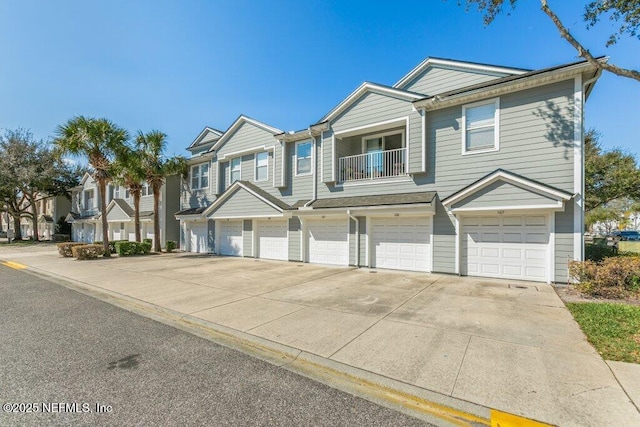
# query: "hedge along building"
459, 167
85, 215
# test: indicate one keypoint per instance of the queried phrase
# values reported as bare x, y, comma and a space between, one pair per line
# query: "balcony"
373, 165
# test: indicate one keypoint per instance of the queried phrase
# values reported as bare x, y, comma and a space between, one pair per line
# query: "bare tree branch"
582, 51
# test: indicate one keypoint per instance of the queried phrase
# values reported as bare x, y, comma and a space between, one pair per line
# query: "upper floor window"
88, 199
262, 166
234, 170
303, 157
480, 123
146, 190
200, 176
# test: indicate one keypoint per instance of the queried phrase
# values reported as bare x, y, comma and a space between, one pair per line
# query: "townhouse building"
458, 167
85, 215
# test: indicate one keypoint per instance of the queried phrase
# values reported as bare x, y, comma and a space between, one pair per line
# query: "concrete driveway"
507, 345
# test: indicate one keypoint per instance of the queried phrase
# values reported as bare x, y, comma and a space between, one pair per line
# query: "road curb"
424, 404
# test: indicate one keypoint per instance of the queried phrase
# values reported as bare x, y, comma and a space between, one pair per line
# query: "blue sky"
178, 66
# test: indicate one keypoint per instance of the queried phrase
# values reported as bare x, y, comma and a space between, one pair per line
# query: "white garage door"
401, 243
272, 240
231, 238
328, 241
511, 247
198, 237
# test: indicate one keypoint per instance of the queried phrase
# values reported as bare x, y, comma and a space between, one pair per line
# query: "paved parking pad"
507, 345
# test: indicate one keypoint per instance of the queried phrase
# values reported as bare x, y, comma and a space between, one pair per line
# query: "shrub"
61, 237
149, 241
615, 277
599, 252
112, 245
83, 252
126, 248
64, 249
171, 245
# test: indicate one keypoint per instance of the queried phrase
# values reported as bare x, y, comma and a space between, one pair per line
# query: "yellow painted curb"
504, 419
14, 265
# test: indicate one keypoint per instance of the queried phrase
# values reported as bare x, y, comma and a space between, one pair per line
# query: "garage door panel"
328, 242
401, 243
273, 242
231, 238
197, 233
516, 248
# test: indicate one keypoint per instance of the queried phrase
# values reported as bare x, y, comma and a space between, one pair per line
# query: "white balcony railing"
373, 165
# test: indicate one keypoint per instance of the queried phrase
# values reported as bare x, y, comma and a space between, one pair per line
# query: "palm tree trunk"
136, 214
102, 193
34, 219
156, 215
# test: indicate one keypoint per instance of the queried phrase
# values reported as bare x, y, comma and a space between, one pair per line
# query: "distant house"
85, 215
50, 210
458, 167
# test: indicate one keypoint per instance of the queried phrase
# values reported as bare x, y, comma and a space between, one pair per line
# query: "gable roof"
368, 87
242, 119
122, 205
200, 139
505, 82
512, 178
495, 70
374, 200
256, 191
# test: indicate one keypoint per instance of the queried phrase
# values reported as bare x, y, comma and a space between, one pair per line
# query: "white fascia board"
369, 87
239, 122
256, 149
498, 89
202, 134
187, 217
280, 215
457, 65
507, 177
558, 206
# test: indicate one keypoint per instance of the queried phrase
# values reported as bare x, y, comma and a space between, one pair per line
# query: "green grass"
613, 329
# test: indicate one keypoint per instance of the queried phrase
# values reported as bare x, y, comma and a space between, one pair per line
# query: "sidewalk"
474, 345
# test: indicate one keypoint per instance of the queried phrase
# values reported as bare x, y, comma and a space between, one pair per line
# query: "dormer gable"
248, 132
204, 141
435, 75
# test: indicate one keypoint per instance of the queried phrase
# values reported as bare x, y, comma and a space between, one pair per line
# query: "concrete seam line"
621, 386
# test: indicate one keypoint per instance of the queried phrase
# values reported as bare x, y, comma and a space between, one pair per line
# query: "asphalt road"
60, 347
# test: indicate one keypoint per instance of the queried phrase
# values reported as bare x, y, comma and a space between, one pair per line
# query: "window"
234, 170
262, 166
146, 191
200, 176
88, 200
480, 126
303, 158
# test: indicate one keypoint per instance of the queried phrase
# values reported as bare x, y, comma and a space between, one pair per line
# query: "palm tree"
99, 140
157, 167
130, 173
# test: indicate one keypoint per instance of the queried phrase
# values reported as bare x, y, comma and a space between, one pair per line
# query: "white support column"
578, 171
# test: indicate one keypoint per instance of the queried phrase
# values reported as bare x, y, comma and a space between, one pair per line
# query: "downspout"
314, 194
357, 221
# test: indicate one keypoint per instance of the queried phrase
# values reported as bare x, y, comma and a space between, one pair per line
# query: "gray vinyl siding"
247, 238
171, 205
295, 232
352, 242
436, 80
146, 203
502, 194
211, 236
242, 203
363, 240
444, 241
246, 137
223, 175
536, 141
195, 198
564, 241
116, 214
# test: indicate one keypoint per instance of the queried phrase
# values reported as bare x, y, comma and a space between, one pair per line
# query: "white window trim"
383, 135
231, 169
496, 127
255, 167
311, 158
199, 177
200, 186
